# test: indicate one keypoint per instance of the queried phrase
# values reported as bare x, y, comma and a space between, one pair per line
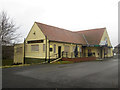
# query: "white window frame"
34, 50
54, 48
44, 48
80, 49
73, 48
67, 48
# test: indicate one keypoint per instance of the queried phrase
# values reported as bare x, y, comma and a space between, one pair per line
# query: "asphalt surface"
93, 74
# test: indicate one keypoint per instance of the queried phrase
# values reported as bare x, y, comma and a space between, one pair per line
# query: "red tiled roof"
93, 36
61, 35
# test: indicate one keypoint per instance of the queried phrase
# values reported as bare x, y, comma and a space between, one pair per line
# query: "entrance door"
59, 51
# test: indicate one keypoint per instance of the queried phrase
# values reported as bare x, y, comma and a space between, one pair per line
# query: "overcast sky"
72, 15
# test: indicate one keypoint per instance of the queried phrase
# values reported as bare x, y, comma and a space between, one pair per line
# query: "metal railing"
54, 55
72, 54
69, 55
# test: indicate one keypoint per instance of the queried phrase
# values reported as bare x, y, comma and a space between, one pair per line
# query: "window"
35, 41
105, 38
43, 47
73, 48
89, 50
66, 48
34, 47
50, 49
54, 48
106, 51
80, 50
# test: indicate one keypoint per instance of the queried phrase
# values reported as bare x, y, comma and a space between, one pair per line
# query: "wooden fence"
7, 52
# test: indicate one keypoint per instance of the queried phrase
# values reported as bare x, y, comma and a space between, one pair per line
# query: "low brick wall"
79, 59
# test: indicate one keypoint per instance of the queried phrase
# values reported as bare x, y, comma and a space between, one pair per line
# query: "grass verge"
63, 62
33, 60
7, 62
28, 62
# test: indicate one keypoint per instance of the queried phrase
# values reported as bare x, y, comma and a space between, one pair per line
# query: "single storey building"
49, 42
117, 49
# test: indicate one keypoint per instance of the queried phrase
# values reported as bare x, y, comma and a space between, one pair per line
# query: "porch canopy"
97, 46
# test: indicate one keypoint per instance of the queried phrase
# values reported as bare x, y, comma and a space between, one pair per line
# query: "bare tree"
7, 29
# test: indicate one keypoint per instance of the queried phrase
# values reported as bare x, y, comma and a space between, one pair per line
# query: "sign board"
104, 42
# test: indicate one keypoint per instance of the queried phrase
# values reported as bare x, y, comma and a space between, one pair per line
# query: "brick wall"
79, 59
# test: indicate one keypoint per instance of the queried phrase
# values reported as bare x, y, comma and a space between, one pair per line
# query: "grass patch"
63, 62
7, 62
33, 60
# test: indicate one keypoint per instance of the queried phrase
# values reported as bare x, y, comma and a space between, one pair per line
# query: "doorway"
59, 51
89, 52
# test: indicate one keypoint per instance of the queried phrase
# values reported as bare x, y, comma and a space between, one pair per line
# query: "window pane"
34, 47
54, 48
73, 48
66, 48
50, 49
80, 50
43, 47
35, 41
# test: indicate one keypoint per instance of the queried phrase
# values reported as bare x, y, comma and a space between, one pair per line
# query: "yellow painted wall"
105, 34
98, 49
34, 54
95, 50
38, 36
18, 56
41, 54
62, 48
